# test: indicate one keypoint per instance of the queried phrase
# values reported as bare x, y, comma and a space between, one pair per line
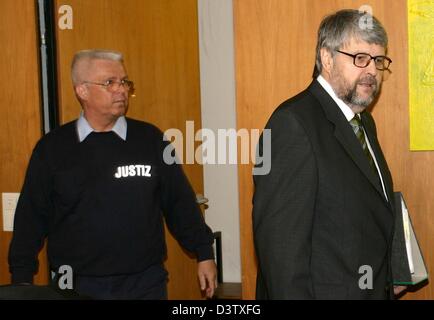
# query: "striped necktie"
357, 126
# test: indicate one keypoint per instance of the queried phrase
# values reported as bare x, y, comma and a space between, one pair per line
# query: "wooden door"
275, 46
159, 40
20, 124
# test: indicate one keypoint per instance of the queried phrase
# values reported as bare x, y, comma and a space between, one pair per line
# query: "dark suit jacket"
321, 220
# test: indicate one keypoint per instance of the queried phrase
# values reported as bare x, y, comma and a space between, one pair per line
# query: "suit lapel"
379, 156
345, 134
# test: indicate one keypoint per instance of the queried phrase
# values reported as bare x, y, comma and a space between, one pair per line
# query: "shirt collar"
84, 128
346, 110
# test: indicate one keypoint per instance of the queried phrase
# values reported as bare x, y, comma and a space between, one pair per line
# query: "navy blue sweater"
100, 203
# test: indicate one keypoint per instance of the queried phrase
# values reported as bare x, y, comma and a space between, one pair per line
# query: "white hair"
88, 56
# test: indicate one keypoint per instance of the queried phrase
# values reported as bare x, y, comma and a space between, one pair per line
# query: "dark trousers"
150, 284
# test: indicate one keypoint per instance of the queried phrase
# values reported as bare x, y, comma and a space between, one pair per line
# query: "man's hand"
207, 274
398, 289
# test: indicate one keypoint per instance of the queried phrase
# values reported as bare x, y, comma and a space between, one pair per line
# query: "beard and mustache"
347, 91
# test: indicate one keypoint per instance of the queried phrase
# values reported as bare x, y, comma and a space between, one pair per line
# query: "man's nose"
371, 68
121, 88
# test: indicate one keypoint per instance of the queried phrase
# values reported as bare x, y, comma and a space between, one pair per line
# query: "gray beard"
352, 98
348, 93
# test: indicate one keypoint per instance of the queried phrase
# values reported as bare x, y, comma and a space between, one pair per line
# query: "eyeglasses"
362, 60
112, 85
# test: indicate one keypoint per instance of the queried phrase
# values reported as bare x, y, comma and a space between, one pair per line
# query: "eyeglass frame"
107, 83
354, 56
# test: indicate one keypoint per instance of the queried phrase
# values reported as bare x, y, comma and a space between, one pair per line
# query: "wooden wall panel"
159, 40
20, 109
275, 45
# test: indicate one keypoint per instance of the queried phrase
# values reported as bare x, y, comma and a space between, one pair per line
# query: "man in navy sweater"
97, 189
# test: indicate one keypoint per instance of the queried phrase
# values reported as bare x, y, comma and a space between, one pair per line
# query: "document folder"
408, 266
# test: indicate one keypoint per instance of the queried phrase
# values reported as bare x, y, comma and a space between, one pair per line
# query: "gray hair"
88, 56
337, 30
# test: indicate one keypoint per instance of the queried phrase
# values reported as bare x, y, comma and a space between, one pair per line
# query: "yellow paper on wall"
421, 73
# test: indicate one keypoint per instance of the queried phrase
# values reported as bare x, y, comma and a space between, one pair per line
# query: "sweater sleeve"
183, 215
30, 222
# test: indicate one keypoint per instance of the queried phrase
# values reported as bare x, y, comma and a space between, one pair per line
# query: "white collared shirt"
349, 114
84, 128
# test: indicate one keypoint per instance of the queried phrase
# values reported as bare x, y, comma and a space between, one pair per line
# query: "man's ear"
326, 60
81, 91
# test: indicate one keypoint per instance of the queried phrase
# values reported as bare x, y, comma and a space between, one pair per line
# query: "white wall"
217, 82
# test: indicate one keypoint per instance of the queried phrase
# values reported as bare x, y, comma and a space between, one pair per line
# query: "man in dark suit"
323, 217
